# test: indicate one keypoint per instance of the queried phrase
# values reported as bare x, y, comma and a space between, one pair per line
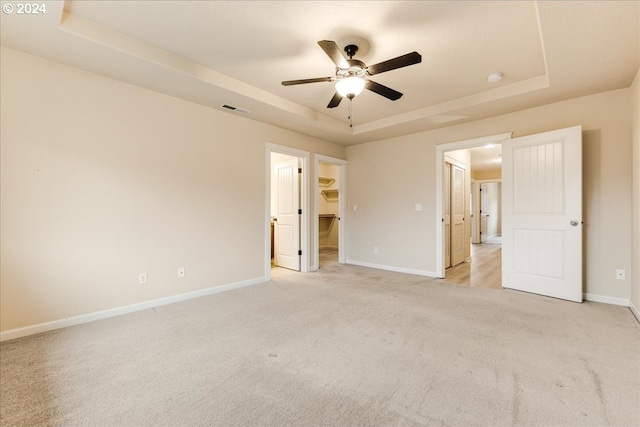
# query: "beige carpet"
343, 346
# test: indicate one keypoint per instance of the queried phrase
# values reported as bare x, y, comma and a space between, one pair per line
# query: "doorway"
460, 152
330, 205
286, 209
286, 212
490, 212
541, 214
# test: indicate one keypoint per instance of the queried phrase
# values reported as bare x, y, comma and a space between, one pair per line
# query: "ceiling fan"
352, 74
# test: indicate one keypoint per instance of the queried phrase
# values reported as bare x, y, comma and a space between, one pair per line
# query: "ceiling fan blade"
333, 51
335, 101
383, 90
392, 64
304, 81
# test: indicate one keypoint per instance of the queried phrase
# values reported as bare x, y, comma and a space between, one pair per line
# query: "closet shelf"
330, 195
325, 181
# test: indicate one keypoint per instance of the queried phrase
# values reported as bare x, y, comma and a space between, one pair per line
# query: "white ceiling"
238, 52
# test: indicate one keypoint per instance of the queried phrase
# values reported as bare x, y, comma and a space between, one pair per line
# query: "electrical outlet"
142, 278
181, 272
620, 275
418, 207
376, 250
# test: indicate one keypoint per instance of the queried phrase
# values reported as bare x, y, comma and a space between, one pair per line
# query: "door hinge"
299, 170
299, 211
299, 251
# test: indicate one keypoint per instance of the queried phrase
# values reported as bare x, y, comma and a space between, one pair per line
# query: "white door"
542, 214
447, 215
484, 213
474, 208
287, 219
457, 215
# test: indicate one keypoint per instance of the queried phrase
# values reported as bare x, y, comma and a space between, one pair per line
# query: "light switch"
355, 208
418, 207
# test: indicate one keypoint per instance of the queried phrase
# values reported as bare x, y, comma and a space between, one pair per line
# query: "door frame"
439, 213
304, 202
342, 206
476, 208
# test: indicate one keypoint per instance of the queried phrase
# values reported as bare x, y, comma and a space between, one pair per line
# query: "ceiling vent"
235, 109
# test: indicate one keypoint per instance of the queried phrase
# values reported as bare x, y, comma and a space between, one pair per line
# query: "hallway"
484, 270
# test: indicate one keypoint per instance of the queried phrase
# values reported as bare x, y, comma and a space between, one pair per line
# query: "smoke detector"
494, 77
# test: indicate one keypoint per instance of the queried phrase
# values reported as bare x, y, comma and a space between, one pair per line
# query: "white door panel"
484, 212
457, 215
542, 214
447, 215
287, 220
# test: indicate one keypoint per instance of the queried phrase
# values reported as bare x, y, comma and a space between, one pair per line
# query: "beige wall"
387, 177
102, 180
635, 95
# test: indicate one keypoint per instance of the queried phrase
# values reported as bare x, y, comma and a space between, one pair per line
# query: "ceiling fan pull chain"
350, 114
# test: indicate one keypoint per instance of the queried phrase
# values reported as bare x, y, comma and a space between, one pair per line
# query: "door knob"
574, 223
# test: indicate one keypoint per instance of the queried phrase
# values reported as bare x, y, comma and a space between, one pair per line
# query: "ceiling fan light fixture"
350, 86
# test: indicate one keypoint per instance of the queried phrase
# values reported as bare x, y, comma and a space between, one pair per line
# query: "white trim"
305, 233
342, 206
634, 310
105, 314
393, 268
605, 299
455, 162
474, 142
440, 150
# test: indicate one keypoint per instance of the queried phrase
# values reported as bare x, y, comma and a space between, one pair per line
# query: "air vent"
235, 109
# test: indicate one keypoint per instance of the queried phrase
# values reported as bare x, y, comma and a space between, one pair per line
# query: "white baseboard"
392, 268
605, 299
634, 310
86, 318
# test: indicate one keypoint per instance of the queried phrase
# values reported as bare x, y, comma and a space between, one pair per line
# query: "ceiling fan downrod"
350, 97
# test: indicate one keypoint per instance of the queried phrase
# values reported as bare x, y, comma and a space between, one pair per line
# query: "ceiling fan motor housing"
356, 69
351, 50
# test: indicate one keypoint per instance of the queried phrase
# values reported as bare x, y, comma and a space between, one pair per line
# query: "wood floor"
484, 270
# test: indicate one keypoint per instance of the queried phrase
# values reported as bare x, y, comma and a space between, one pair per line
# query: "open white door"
542, 213
287, 219
484, 213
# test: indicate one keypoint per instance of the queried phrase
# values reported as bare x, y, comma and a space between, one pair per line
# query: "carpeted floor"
342, 346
